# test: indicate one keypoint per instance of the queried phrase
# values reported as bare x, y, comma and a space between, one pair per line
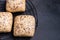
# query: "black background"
49, 19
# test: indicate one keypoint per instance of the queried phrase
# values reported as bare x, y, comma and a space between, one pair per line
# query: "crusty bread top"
5, 21
24, 25
15, 5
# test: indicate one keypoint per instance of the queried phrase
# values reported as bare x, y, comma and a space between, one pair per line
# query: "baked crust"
24, 25
5, 21
15, 5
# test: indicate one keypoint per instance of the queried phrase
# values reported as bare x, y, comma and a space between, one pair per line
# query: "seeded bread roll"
5, 21
15, 5
24, 25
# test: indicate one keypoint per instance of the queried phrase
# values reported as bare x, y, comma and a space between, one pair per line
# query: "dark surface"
49, 20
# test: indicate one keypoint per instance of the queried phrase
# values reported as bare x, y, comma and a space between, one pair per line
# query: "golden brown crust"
24, 25
5, 21
15, 5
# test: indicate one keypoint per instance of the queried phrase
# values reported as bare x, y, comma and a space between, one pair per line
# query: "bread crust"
24, 25
5, 21
15, 5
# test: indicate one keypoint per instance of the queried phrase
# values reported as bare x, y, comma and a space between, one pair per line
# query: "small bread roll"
15, 5
24, 25
5, 21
